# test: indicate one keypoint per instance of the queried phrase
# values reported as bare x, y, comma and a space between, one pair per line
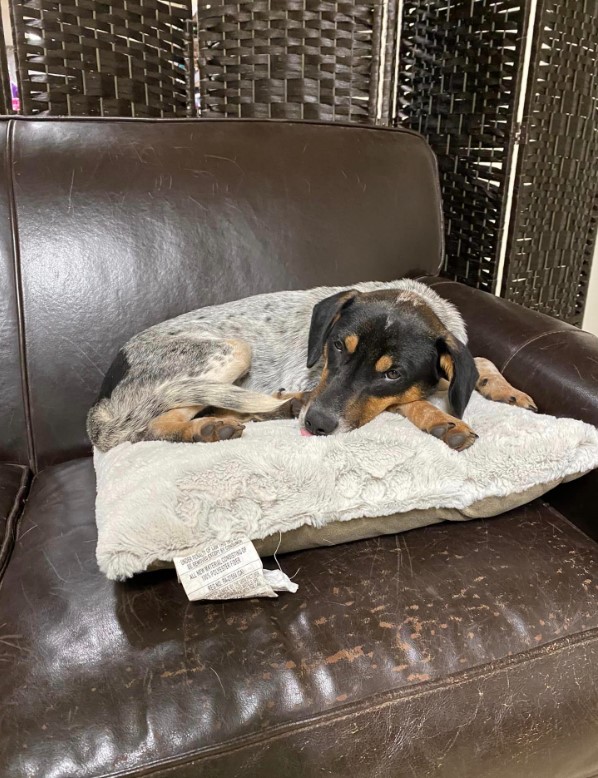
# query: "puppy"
345, 354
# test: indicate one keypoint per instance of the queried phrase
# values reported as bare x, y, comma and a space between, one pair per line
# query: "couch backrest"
118, 224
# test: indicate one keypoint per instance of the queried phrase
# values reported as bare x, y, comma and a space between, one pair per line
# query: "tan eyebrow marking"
384, 364
351, 342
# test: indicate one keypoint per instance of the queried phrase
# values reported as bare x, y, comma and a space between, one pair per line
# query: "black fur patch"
116, 373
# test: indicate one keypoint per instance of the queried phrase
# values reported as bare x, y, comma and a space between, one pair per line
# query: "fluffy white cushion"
159, 500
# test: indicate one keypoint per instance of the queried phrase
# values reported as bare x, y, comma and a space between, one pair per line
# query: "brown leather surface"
455, 650
123, 224
13, 484
578, 501
13, 433
10, 482
561, 371
555, 363
453, 730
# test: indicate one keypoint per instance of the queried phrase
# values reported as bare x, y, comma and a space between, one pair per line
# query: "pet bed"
157, 501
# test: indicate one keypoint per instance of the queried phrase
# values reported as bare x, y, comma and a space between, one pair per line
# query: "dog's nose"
320, 422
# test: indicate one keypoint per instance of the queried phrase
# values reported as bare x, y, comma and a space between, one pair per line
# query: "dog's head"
380, 349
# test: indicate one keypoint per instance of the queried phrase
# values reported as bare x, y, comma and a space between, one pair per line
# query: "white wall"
590, 319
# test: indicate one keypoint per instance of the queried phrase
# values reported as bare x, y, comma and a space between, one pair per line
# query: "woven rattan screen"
296, 59
458, 75
88, 58
555, 207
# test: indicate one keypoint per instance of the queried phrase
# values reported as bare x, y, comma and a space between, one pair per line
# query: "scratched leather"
391, 660
123, 224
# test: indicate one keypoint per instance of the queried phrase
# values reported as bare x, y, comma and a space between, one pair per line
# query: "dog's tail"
190, 391
127, 413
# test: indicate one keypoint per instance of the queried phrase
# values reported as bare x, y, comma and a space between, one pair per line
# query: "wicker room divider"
297, 59
505, 91
88, 58
457, 85
555, 206
516, 135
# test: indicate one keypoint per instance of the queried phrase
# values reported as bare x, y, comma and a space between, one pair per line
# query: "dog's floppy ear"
456, 364
324, 315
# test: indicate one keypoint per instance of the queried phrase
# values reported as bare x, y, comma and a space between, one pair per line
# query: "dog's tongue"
305, 433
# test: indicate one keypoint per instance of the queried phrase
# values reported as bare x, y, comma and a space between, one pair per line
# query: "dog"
344, 355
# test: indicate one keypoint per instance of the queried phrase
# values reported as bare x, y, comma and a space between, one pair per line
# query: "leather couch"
466, 650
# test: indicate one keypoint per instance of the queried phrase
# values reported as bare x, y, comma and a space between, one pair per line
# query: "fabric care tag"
229, 571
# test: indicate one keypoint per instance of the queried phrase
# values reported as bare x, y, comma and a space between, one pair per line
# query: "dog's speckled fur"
231, 356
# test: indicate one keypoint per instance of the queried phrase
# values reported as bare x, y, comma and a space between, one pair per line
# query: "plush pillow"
157, 500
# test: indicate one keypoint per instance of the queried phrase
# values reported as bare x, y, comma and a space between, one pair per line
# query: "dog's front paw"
500, 391
521, 400
456, 434
494, 386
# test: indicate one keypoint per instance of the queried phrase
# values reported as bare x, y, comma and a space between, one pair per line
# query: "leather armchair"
459, 650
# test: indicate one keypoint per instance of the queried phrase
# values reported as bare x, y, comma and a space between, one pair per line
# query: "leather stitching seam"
25, 387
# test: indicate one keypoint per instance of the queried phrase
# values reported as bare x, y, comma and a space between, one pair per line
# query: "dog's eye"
338, 345
393, 374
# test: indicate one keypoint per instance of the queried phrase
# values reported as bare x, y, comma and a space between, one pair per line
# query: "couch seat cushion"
13, 485
467, 647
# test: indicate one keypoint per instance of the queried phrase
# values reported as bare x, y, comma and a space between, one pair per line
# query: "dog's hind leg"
167, 382
180, 426
494, 386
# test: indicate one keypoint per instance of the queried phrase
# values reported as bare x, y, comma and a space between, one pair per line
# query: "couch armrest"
554, 362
